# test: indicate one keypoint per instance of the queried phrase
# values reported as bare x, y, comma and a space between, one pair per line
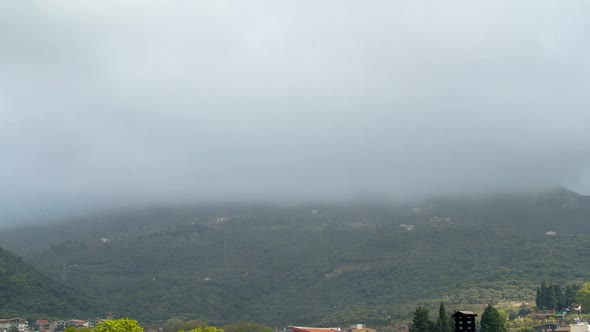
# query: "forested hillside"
26, 292
317, 264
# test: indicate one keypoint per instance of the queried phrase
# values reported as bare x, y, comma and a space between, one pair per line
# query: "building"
311, 329
42, 325
77, 323
20, 323
360, 328
464, 321
355, 328
547, 327
407, 228
580, 326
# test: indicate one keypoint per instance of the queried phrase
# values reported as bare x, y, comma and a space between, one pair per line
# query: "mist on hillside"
109, 105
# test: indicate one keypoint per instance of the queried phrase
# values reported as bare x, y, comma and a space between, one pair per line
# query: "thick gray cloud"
105, 104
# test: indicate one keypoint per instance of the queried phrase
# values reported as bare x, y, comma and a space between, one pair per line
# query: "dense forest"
26, 292
324, 264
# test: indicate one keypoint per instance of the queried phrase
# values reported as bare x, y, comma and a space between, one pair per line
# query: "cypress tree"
551, 298
559, 299
491, 320
544, 295
570, 295
443, 322
421, 321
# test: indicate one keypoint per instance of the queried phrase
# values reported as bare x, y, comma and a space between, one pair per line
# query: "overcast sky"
108, 103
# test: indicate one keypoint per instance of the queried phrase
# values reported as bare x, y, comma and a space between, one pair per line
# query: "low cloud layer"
104, 104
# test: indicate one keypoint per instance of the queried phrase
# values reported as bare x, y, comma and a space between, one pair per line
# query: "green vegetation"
341, 264
204, 329
583, 297
26, 292
444, 323
492, 321
246, 327
176, 324
421, 321
120, 325
75, 329
551, 297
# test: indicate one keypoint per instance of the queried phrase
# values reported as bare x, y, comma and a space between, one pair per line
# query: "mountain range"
326, 264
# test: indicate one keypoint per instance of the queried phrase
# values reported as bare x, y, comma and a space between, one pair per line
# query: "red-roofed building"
42, 325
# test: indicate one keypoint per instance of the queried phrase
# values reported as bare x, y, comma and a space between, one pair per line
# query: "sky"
112, 103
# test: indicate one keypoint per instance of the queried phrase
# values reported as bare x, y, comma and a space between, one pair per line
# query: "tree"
246, 327
503, 316
570, 295
176, 324
559, 298
421, 321
443, 322
524, 310
204, 329
193, 325
119, 325
173, 325
550, 297
583, 297
491, 321
544, 295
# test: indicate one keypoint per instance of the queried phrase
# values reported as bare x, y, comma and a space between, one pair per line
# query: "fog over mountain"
110, 103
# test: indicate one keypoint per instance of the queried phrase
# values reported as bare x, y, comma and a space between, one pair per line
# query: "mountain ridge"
320, 264
29, 293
